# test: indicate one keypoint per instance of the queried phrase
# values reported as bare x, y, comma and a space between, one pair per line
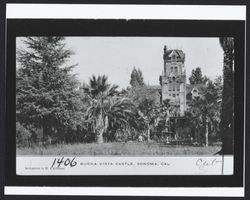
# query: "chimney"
165, 49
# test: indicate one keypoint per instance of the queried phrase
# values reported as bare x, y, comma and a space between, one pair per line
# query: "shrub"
23, 136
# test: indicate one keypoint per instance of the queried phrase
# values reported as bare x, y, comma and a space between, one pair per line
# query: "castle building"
173, 85
173, 79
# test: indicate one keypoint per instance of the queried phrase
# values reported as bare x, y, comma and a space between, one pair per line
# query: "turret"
173, 79
165, 49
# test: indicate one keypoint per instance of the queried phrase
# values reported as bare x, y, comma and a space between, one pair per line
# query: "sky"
115, 57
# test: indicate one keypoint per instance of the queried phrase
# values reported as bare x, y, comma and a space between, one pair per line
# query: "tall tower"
173, 79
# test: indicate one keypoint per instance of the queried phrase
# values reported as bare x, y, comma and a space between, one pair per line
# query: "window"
173, 95
171, 69
177, 94
176, 70
174, 58
170, 95
178, 86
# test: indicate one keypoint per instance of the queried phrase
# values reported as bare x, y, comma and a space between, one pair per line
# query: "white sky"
116, 56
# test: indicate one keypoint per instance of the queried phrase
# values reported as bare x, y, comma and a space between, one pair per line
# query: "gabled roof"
177, 51
180, 53
190, 87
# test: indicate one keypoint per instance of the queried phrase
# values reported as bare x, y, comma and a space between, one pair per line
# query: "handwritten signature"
203, 164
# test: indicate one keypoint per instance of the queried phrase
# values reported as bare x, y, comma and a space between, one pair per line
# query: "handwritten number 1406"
63, 162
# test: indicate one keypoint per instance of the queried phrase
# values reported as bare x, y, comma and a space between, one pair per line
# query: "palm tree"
100, 85
227, 114
198, 113
205, 109
106, 109
122, 116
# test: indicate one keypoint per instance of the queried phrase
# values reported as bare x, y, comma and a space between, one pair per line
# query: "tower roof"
179, 53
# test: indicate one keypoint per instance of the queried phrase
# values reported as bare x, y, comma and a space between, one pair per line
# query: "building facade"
173, 79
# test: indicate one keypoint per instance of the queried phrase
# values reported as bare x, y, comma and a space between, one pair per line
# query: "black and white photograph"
110, 102
125, 96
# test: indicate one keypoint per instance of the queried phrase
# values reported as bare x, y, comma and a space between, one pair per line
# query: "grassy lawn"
118, 149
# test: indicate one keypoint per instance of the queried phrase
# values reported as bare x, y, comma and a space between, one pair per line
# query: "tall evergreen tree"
46, 96
196, 76
227, 115
136, 78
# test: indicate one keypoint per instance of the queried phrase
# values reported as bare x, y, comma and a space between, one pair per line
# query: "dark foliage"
46, 91
204, 112
227, 115
197, 77
136, 78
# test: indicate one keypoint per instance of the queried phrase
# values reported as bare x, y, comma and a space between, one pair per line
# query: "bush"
23, 136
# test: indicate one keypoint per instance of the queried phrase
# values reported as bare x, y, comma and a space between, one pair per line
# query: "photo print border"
129, 28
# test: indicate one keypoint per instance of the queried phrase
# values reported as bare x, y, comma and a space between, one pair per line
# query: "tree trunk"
99, 138
206, 133
197, 136
148, 134
44, 134
101, 128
